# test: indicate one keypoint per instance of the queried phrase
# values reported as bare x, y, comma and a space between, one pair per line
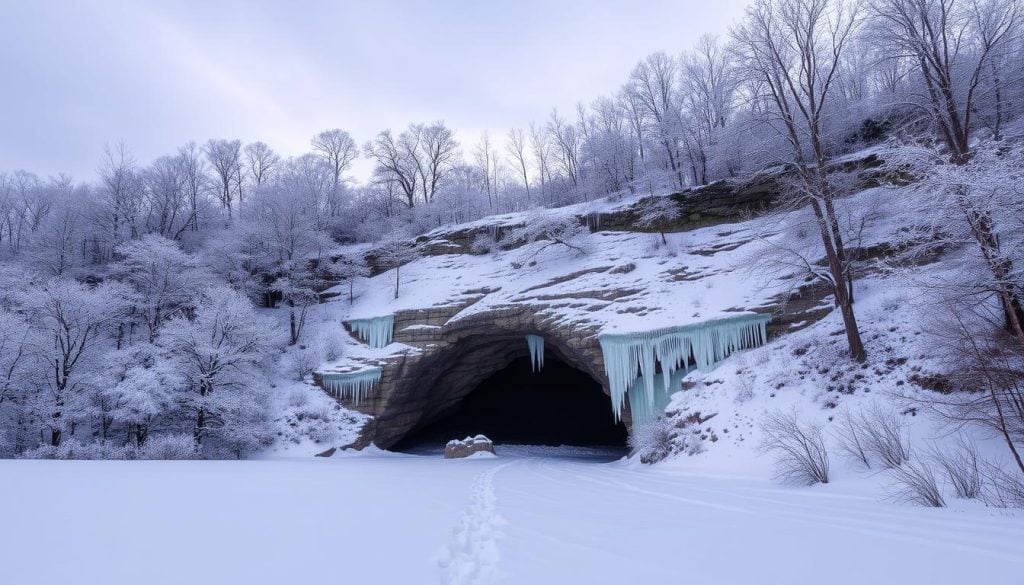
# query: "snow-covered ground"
509, 519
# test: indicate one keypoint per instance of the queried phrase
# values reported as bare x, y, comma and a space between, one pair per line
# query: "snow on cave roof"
628, 282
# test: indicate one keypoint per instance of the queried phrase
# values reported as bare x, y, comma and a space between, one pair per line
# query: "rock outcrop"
458, 449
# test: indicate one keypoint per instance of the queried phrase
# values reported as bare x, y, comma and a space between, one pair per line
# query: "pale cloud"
157, 74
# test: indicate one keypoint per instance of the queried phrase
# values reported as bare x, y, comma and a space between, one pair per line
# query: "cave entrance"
557, 406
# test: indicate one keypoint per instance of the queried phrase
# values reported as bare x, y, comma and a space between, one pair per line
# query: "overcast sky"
77, 75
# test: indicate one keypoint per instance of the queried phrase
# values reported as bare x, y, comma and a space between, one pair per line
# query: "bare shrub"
329, 347
652, 441
961, 467
745, 389
302, 363
987, 363
167, 447
1003, 489
851, 438
483, 244
884, 434
915, 483
801, 457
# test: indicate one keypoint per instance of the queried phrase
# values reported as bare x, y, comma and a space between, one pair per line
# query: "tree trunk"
200, 423
841, 285
294, 334
58, 413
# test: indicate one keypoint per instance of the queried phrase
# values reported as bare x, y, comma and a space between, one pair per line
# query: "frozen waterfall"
375, 331
631, 359
351, 385
536, 345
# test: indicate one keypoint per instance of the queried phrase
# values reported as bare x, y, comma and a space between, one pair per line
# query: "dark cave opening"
558, 405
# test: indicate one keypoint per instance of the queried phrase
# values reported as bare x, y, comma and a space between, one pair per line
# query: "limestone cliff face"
446, 359
462, 316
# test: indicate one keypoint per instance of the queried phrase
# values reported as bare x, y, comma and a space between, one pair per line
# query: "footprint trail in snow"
472, 555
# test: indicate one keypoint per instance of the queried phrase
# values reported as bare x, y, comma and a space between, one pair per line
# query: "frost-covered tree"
165, 189
225, 157
418, 160
550, 230
139, 386
952, 43
262, 162
73, 323
709, 85
516, 147
220, 352
394, 252
654, 85
346, 269
291, 249
162, 280
120, 200
196, 181
338, 150
790, 51
658, 213
16, 371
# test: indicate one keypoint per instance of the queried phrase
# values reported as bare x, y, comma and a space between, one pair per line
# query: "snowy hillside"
466, 293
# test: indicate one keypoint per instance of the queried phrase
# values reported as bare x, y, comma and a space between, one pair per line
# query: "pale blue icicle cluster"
351, 385
536, 345
375, 331
631, 359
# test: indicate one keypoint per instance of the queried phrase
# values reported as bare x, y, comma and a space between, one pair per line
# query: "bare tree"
347, 269
121, 194
791, 50
658, 213
486, 162
567, 141
542, 156
261, 160
396, 162
225, 156
549, 230
654, 83
196, 180
439, 152
708, 87
395, 251
954, 43
338, 149
989, 366
516, 147
165, 184
951, 42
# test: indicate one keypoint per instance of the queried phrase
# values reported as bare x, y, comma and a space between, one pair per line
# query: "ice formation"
631, 360
536, 345
375, 331
351, 385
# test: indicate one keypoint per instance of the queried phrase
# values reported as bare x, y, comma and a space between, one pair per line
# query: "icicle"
631, 359
375, 331
536, 345
351, 385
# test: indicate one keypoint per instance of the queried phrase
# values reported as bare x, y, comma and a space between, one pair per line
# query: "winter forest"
131, 305
192, 306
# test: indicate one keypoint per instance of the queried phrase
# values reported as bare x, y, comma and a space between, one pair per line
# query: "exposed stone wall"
454, 357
